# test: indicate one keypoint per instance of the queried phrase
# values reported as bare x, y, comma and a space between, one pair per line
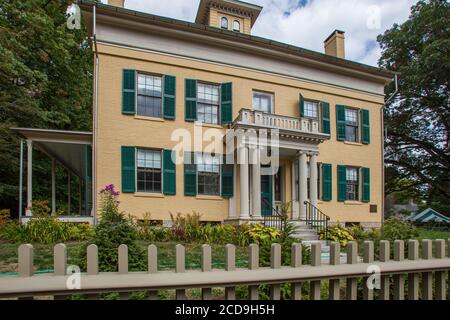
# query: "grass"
433, 234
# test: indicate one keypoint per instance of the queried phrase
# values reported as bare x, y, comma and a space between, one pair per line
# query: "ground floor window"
148, 173
208, 170
352, 183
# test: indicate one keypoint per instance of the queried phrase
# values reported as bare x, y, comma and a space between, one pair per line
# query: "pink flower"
110, 189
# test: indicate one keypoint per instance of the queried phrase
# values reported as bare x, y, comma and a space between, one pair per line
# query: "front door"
266, 195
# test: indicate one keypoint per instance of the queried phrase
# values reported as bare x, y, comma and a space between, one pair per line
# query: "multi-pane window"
352, 183
351, 125
149, 95
224, 23
148, 170
236, 25
208, 103
262, 101
208, 170
311, 109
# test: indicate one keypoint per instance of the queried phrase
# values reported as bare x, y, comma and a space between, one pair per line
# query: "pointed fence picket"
424, 274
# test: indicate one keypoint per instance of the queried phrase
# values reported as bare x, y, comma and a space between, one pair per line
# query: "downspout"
95, 112
384, 134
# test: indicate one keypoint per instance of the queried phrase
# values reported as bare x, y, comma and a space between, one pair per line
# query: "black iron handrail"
276, 220
316, 219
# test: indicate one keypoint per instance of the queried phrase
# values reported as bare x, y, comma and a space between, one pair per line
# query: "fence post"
385, 252
92, 266
253, 264
60, 264
152, 264
123, 267
296, 262
335, 259
413, 278
275, 263
316, 252
230, 265
206, 267
368, 258
25, 259
399, 280
440, 275
180, 267
427, 277
352, 258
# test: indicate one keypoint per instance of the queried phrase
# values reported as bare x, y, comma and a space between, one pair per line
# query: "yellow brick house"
157, 78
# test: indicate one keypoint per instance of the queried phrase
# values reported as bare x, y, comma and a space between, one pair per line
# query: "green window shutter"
128, 170
190, 100
169, 97
365, 130
129, 91
326, 182
226, 103
227, 179
342, 183
325, 117
302, 106
190, 175
365, 184
169, 173
340, 122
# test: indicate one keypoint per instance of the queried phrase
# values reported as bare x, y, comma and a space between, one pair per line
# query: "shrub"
398, 229
337, 234
5, 216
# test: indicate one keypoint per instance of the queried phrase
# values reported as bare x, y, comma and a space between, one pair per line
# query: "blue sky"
306, 23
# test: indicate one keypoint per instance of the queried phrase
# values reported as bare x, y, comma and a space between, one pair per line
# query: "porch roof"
66, 147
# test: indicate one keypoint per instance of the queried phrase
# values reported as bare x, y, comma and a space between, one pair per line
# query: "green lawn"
433, 234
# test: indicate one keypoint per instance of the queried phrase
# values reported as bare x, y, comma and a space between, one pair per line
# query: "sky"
307, 23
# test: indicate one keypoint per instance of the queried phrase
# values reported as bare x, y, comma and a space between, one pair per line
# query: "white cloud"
306, 23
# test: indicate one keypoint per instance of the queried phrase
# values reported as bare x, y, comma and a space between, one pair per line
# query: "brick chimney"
116, 3
335, 44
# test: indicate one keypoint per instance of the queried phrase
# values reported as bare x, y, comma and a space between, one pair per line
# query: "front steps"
304, 232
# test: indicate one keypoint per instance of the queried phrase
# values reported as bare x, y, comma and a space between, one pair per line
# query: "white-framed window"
236, 26
224, 23
352, 176
148, 173
149, 95
263, 101
208, 174
311, 109
208, 103
351, 125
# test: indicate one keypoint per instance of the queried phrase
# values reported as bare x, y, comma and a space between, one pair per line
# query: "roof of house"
238, 37
251, 9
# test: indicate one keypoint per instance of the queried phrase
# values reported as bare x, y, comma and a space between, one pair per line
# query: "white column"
21, 181
313, 179
244, 183
233, 200
303, 173
256, 183
295, 212
29, 177
53, 187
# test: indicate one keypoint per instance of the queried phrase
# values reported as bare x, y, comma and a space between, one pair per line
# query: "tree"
418, 119
45, 82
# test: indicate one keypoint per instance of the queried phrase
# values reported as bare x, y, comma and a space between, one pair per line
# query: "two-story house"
157, 78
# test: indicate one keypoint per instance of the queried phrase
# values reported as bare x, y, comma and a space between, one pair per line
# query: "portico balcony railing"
275, 121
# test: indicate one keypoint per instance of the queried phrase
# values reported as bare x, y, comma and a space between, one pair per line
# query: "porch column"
29, 177
244, 183
256, 183
233, 200
313, 179
303, 182
53, 187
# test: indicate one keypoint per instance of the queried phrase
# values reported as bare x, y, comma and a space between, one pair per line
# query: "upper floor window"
311, 109
148, 173
263, 101
208, 103
236, 26
208, 170
351, 125
149, 95
224, 23
352, 176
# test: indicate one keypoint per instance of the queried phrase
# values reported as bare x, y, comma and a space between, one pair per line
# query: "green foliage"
5, 216
397, 229
337, 234
40, 208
